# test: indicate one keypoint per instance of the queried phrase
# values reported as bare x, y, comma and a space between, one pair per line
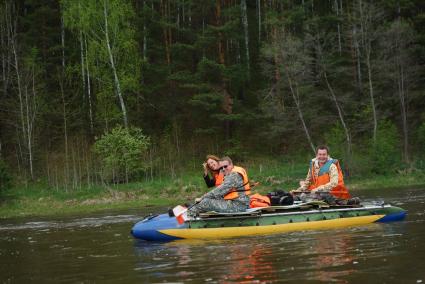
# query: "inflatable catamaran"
315, 215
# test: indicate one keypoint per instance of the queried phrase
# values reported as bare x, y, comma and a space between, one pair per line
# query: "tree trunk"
366, 32
402, 90
221, 59
63, 42
259, 20
165, 33
341, 117
83, 75
170, 35
190, 15
19, 155
114, 70
245, 28
89, 88
19, 85
145, 44
29, 136
228, 109
5, 49
338, 28
277, 75
296, 97
357, 58
402, 96
65, 128
371, 95
227, 99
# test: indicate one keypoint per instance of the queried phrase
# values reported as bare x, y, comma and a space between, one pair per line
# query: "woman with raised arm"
213, 176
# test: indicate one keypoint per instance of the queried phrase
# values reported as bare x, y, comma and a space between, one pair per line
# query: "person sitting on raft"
212, 167
230, 196
324, 176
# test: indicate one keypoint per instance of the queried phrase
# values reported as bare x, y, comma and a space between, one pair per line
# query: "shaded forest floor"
40, 200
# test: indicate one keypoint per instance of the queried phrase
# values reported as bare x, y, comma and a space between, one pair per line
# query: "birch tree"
24, 105
111, 46
27, 74
367, 17
320, 41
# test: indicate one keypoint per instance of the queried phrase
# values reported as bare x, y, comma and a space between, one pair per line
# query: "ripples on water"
79, 222
100, 249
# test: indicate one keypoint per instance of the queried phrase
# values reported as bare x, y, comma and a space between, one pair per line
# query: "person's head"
226, 164
322, 154
213, 162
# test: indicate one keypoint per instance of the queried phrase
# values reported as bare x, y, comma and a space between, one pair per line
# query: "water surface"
99, 249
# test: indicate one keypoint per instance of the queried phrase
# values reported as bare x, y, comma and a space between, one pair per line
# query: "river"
99, 249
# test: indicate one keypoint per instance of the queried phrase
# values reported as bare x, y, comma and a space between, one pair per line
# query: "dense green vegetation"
271, 174
104, 92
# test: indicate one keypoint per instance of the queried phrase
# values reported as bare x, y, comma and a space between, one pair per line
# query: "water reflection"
314, 256
331, 257
323, 256
249, 263
227, 260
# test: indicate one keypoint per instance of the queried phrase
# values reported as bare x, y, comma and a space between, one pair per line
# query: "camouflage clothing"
333, 174
214, 201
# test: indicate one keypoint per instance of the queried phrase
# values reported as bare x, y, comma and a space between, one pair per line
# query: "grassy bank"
40, 200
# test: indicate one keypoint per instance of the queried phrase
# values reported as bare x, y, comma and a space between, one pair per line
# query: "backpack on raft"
280, 198
258, 200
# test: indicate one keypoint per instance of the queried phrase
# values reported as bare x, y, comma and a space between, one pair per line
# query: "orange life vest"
219, 177
323, 177
233, 193
258, 200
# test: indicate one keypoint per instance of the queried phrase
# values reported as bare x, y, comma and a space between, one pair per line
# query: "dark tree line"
249, 77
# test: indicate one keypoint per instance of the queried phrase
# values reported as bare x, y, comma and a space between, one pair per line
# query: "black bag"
280, 198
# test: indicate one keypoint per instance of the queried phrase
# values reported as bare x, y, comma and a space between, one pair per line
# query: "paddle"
296, 191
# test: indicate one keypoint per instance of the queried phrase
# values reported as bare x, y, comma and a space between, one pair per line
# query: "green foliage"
384, 154
335, 140
5, 177
235, 150
121, 152
421, 140
210, 71
207, 101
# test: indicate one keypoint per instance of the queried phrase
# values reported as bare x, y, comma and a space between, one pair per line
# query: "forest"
101, 91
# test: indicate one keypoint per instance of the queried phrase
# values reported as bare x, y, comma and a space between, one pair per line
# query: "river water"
99, 249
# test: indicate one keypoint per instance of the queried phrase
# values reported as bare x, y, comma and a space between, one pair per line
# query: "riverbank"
40, 200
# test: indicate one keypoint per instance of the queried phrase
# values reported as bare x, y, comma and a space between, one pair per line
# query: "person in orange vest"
325, 176
212, 174
230, 196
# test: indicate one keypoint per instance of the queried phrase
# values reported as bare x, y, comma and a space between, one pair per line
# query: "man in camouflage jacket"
214, 200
